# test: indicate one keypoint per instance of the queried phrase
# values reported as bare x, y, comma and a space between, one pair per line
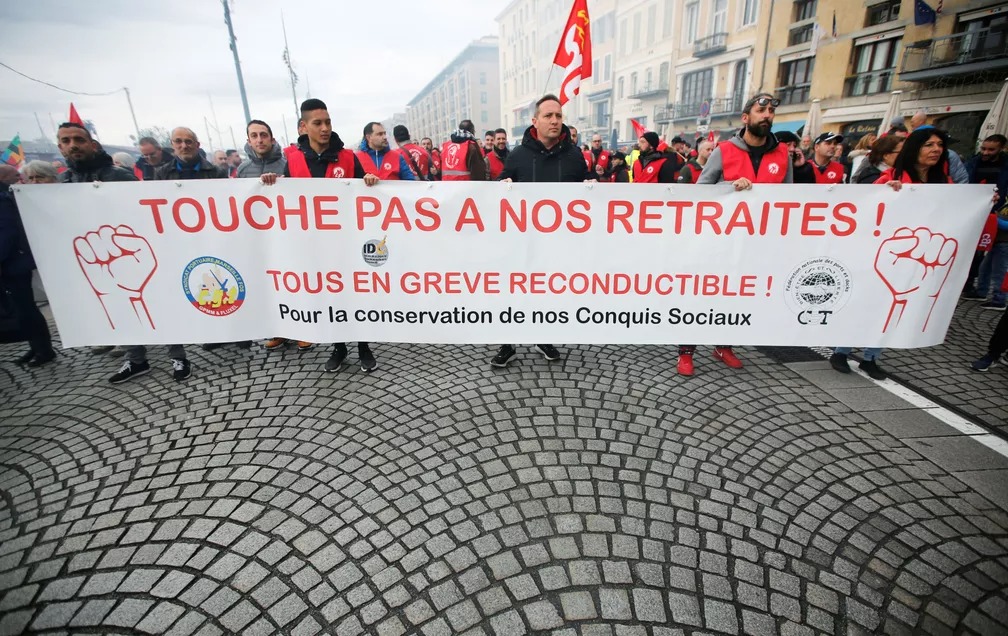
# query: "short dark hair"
230, 151
489, 132
423, 139
752, 101
369, 128
466, 124
261, 123
309, 105
72, 124
499, 131
997, 139
150, 141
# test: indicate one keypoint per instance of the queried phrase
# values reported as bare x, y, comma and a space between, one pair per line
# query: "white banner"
333, 260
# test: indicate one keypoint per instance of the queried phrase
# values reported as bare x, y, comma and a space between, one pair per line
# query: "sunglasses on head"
765, 101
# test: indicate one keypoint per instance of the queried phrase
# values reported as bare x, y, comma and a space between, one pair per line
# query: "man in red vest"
825, 169
488, 142
379, 159
597, 157
753, 155
496, 158
690, 172
319, 154
652, 166
416, 157
435, 158
461, 156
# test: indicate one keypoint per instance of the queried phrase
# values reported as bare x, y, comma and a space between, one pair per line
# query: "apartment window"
801, 35
483, 97
690, 26
607, 66
595, 68
719, 19
652, 23
983, 38
484, 117
636, 31
633, 84
697, 87
750, 11
805, 9
795, 80
623, 42
619, 89
874, 66
663, 75
483, 78
667, 14
882, 13
739, 82
600, 114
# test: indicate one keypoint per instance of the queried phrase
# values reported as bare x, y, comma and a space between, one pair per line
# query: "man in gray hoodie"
264, 153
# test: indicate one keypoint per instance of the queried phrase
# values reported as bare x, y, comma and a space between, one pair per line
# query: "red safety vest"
454, 164
603, 160
736, 164
589, 159
137, 172
297, 165
832, 174
389, 169
420, 158
695, 170
889, 175
495, 164
648, 174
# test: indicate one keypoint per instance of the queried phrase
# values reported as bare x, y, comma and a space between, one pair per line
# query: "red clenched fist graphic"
118, 264
914, 264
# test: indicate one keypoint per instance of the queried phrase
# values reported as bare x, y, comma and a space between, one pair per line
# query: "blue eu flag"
923, 13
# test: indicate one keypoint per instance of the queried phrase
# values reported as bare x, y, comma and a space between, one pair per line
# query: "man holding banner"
547, 153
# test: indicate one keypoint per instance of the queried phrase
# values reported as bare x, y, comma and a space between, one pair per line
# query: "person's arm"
405, 172
713, 170
477, 164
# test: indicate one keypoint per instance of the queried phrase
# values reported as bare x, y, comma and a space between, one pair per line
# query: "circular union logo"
820, 283
773, 168
387, 166
375, 252
338, 172
213, 286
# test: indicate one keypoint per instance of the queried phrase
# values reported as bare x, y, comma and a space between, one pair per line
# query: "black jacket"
147, 170
98, 168
867, 173
532, 162
202, 169
15, 255
317, 163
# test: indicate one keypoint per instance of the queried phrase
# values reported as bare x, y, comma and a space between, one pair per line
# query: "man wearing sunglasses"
152, 155
753, 155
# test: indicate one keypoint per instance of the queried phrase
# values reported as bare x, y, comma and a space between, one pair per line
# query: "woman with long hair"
923, 159
881, 157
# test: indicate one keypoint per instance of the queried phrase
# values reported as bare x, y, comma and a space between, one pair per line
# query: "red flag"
638, 130
74, 117
574, 51
710, 136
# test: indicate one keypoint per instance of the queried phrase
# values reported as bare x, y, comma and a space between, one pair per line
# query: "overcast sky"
366, 60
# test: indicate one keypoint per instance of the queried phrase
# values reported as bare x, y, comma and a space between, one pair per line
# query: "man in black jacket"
545, 154
152, 155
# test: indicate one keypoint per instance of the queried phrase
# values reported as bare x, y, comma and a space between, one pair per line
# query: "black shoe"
42, 358
503, 357
210, 346
873, 370
839, 362
26, 358
102, 350
337, 359
367, 359
993, 305
129, 371
548, 351
972, 294
181, 369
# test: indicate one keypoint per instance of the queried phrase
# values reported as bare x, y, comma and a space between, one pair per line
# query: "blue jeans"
992, 272
870, 353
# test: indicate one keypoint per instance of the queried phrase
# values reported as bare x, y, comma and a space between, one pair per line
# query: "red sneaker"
726, 355
685, 364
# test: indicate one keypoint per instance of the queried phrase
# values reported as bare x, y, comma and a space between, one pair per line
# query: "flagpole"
290, 66
132, 112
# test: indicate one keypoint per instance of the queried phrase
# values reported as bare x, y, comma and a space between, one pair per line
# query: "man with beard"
462, 157
377, 158
653, 166
152, 155
690, 172
546, 154
264, 154
320, 154
435, 158
753, 155
233, 161
220, 159
495, 160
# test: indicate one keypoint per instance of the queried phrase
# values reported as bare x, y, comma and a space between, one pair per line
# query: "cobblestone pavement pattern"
600, 495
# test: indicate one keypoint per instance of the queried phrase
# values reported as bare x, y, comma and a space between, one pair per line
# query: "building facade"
467, 88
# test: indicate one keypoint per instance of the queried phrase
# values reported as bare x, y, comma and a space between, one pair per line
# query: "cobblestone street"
598, 495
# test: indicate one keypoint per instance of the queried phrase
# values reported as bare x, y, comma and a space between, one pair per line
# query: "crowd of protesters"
549, 151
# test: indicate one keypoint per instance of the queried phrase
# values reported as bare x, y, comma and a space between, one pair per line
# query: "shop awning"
787, 126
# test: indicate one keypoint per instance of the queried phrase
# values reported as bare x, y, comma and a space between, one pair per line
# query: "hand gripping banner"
328, 260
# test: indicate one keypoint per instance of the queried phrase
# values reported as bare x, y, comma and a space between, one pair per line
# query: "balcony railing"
710, 45
663, 114
981, 53
691, 110
650, 90
796, 94
869, 83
